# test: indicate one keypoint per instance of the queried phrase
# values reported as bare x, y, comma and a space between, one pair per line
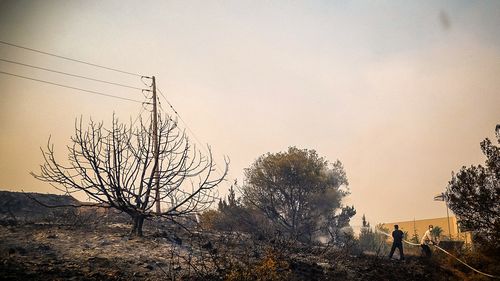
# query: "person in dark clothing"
397, 235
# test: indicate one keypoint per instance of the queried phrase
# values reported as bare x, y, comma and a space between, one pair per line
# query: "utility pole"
448, 216
442, 197
156, 153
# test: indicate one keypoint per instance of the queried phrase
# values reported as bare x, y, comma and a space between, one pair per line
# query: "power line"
189, 129
139, 115
177, 113
70, 59
70, 74
71, 87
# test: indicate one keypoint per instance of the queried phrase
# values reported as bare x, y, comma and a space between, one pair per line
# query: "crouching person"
428, 239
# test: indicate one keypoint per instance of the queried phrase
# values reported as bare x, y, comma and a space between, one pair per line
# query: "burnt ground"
55, 252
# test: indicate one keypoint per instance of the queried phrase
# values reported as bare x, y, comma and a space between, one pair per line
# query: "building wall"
420, 226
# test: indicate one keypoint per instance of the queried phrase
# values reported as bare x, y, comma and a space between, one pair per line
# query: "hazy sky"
401, 92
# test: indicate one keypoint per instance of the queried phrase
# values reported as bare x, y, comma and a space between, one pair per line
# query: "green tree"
437, 231
374, 241
231, 212
338, 226
298, 191
473, 194
367, 238
232, 215
414, 237
365, 223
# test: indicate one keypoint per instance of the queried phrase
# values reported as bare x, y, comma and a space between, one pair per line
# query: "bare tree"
116, 168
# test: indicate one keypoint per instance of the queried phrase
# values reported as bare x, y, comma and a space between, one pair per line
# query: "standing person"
397, 236
427, 239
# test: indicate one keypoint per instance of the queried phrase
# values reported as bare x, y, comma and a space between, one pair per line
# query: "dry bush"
483, 259
271, 267
210, 219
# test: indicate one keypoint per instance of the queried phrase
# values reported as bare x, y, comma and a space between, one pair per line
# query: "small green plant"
437, 231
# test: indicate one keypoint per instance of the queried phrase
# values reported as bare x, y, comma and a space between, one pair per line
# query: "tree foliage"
115, 167
437, 231
373, 241
338, 226
367, 236
298, 191
473, 194
233, 215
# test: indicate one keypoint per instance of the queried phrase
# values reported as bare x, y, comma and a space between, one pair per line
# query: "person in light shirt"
427, 239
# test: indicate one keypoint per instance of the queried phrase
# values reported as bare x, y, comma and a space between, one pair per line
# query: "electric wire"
139, 115
70, 87
177, 113
70, 74
89, 91
71, 59
191, 131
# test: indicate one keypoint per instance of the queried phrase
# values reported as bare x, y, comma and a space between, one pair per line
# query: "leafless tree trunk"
115, 167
